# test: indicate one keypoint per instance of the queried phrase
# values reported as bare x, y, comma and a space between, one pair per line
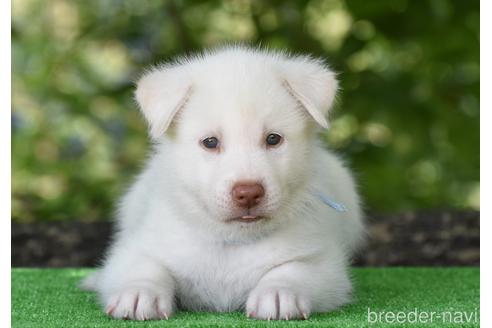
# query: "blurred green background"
407, 119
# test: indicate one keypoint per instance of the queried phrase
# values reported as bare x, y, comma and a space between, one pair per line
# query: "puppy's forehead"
238, 106
242, 82
242, 96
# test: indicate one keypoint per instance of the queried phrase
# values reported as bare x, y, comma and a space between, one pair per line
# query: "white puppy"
238, 207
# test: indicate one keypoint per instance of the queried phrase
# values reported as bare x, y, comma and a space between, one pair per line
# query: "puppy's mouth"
247, 219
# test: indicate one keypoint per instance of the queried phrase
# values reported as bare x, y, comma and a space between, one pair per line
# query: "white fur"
174, 244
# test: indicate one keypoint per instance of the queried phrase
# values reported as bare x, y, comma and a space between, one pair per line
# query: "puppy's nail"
109, 309
304, 315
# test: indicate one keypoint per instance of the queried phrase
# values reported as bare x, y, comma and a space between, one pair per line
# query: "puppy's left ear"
312, 84
161, 93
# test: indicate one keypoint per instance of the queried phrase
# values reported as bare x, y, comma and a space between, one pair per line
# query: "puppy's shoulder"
146, 187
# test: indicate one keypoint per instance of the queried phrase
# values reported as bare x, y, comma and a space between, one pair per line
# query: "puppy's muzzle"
247, 194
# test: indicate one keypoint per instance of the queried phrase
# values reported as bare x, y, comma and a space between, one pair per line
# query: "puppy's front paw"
140, 304
277, 303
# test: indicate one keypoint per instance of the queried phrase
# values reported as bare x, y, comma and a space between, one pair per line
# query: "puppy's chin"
229, 225
239, 229
242, 232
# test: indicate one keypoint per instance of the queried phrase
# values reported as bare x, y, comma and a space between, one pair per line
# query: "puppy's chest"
217, 279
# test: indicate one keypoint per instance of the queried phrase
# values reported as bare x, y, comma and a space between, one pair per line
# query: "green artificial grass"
50, 298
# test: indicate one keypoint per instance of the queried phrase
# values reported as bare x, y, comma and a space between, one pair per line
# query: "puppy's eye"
210, 142
273, 139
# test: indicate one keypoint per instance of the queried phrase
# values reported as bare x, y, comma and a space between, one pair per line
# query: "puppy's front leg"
294, 290
133, 286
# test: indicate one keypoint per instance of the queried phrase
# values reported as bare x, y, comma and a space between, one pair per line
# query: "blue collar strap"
330, 202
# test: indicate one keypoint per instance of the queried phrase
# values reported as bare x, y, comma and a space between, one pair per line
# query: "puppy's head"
241, 124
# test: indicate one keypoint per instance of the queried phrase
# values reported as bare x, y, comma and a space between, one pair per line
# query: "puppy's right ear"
161, 94
312, 84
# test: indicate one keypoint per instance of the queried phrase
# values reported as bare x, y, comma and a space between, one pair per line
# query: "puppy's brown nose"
247, 194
